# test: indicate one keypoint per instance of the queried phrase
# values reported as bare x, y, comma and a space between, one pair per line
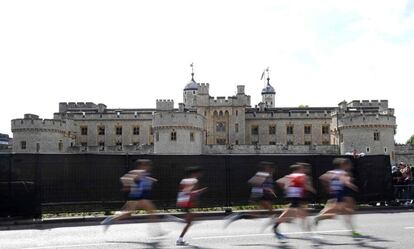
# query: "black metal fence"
34, 183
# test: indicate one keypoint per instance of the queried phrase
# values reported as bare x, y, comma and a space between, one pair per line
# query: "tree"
411, 140
303, 106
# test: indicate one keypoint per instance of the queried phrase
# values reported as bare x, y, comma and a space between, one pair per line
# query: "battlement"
367, 103
178, 119
33, 122
81, 106
264, 113
363, 119
164, 104
203, 88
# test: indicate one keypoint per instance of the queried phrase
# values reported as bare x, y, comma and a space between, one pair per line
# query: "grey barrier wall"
34, 183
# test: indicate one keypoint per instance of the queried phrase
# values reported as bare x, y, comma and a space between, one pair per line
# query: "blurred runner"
295, 185
341, 189
262, 192
138, 183
187, 199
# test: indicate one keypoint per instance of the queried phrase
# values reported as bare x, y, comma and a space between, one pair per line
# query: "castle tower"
34, 135
190, 91
178, 132
366, 127
268, 93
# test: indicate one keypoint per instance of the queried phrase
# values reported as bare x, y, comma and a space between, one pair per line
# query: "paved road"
385, 230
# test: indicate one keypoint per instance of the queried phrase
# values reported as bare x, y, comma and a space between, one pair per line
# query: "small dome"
268, 89
192, 85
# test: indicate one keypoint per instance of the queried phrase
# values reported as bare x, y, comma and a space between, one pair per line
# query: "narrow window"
60, 145
23, 145
37, 147
272, 129
173, 136
236, 127
308, 142
84, 130
237, 142
101, 130
135, 130
308, 129
118, 130
157, 136
289, 129
192, 136
376, 136
255, 130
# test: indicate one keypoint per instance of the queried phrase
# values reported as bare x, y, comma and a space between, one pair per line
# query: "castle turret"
178, 132
268, 93
366, 127
190, 91
33, 135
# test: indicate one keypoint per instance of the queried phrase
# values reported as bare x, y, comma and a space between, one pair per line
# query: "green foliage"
303, 106
411, 140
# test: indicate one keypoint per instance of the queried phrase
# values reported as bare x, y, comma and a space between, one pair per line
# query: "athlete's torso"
295, 186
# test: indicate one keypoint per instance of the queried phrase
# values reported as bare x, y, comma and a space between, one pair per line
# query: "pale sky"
129, 53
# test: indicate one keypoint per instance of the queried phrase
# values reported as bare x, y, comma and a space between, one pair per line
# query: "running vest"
295, 187
268, 183
143, 184
336, 184
184, 197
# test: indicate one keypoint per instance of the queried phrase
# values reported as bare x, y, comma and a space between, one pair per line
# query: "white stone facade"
211, 125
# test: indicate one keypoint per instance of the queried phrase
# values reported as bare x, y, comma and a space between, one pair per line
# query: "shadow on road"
281, 245
153, 245
360, 242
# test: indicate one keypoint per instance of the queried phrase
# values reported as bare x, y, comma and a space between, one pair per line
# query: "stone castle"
203, 124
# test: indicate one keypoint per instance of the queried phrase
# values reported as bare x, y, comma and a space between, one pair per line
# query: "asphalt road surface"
380, 230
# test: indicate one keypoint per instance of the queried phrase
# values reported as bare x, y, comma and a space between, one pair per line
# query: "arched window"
173, 135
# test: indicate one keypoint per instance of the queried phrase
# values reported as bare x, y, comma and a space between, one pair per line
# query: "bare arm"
308, 186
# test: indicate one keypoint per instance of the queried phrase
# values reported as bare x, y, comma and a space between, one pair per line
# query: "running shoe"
356, 234
232, 218
277, 234
181, 242
106, 223
173, 218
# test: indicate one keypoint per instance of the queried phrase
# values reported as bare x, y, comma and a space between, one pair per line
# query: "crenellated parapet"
165, 104
366, 104
203, 88
34, 123
366, 120
185, 120
81, 106
238, 100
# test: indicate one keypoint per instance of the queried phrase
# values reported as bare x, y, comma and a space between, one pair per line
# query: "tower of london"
203, 124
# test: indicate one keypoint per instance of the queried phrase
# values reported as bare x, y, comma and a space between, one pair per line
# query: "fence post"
9, 176
38, 187
227, 181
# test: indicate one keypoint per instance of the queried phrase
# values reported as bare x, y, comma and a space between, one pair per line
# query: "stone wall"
271, 149
404, 153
